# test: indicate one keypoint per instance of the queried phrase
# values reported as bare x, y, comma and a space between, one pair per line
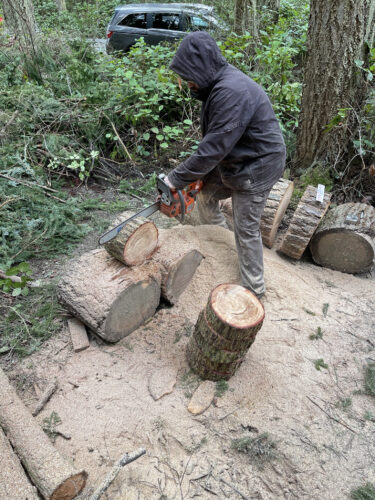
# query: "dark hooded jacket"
241, 134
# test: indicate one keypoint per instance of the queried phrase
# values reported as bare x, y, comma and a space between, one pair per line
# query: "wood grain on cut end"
71, 487
135, 243
276, 205
237, 306
344, 240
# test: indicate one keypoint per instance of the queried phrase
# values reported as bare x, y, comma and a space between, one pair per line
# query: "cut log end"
131, 309
70, 488
343, 251
141, 244
237, 306
180, 274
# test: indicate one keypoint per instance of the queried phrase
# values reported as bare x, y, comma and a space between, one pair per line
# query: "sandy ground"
316, 418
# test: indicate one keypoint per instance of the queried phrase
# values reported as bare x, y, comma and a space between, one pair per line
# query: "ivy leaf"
160, 137
164, 145
146, 136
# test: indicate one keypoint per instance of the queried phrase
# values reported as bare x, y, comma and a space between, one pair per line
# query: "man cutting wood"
241, 154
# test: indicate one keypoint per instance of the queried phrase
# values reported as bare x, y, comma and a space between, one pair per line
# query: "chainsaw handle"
183, 205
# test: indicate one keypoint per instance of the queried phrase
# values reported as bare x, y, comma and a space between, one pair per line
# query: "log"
14, 484
108, 297
135, 243
113, 300
178, 260
55, 478
274, 210
78, 334
304, 222
345, 239
224, 332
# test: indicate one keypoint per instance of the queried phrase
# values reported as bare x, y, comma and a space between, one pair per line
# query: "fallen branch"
9, 123
245, 497
330, 416
124, 460
34, 185
45, 397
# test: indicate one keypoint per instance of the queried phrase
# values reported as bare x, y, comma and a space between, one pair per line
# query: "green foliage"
370, 379
13, 286
261, 449
139, 187
50, 425
318, 335
366, 492
319, 363
221, 388
31, 321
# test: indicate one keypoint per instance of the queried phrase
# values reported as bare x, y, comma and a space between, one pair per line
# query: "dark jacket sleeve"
229, 115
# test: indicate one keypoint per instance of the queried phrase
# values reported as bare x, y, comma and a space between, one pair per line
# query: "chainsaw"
171, 203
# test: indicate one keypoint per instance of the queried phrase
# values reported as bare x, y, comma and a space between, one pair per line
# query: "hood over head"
198, 59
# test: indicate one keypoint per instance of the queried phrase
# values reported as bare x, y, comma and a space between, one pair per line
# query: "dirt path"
314, 412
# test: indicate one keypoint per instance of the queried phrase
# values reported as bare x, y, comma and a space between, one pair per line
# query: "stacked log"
305, 220
345, 239
54, 477
113, 300
224, 332
274, 210
135, 243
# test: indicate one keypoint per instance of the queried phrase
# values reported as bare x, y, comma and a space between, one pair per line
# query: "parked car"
157, 22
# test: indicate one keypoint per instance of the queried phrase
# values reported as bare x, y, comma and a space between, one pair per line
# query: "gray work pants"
247, 211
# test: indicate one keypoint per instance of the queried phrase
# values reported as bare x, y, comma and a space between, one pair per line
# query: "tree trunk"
19, 17
114, 300
135, 243
240, 16
332, 80
54, 477
344, 240
305, 220
224, 332
14, 483
61, 5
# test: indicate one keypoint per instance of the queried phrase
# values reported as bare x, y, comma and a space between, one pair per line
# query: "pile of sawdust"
117, 398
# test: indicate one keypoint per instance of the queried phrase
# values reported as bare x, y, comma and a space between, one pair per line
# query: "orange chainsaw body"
174, 208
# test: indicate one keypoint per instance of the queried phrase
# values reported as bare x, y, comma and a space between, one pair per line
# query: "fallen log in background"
276, 205
14, 484
55, 477
345, 239
225, 330
114, 300
305, 220
135, 243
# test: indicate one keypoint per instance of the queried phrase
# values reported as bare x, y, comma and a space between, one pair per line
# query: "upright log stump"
345, 239
225, 330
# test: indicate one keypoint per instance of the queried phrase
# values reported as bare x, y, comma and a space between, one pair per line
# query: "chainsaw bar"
112, 233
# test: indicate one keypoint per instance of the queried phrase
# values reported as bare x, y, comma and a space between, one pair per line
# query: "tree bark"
54, 477
14, 483
344, 240
332, 80
61, 5
305, 220
19, 17
240, 16
224, 332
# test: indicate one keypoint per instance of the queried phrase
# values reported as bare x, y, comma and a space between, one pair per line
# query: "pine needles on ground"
370, 379
261, 449
366, 492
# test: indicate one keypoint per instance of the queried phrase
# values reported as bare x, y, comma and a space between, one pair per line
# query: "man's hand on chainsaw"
169, 184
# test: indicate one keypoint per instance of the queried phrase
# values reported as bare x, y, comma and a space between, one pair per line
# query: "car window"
135, 21
195, 23
166, 21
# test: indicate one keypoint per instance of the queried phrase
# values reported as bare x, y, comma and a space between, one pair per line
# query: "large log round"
55, 477
135, 243
344, 240
110, 298
305, 220
224, 331
14, 484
